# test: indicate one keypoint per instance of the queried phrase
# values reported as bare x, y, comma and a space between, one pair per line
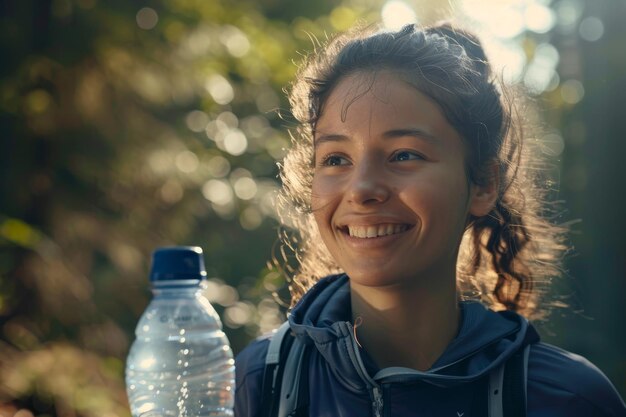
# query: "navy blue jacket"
345, 382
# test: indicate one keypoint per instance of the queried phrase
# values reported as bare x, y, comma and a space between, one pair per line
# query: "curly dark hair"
503, 255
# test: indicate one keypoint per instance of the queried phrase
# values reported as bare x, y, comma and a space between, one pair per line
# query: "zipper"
355, 356
378, 402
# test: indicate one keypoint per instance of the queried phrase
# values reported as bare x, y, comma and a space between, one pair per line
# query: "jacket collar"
485, 338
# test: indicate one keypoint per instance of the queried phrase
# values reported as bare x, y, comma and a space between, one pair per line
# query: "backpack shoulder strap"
507, 386
280, 344
285, 390
294, 392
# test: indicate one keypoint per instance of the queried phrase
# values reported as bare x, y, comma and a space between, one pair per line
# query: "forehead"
381, 100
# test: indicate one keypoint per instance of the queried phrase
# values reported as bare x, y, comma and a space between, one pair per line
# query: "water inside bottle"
180, 364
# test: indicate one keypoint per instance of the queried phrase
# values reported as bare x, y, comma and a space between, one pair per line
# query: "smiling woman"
453, 95
413, 186
394, 163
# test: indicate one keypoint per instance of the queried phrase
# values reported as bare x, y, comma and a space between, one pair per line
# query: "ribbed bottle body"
180, 364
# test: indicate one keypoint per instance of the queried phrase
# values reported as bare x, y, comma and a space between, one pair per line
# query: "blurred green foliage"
127, 126
106, 155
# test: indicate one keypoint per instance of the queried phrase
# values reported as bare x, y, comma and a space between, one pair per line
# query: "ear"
485, 195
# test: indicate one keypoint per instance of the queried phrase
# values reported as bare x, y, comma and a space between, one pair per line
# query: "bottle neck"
176, 288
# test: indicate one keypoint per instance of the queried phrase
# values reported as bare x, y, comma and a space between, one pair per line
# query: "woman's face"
390, 193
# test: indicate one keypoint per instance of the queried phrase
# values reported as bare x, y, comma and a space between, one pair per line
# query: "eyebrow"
390, 134
415, 132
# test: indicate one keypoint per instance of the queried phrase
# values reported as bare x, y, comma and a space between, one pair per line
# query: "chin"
373, 279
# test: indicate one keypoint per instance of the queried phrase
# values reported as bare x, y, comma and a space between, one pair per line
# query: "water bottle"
180, 364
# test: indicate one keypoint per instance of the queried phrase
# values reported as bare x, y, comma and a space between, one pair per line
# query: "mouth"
372, 231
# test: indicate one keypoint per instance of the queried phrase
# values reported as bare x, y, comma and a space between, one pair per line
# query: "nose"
368, 186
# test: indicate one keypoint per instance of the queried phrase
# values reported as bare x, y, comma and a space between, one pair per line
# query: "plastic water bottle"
180, 364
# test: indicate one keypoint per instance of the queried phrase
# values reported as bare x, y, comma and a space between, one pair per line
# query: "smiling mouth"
368, 232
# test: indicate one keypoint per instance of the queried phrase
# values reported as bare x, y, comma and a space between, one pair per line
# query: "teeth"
376, 231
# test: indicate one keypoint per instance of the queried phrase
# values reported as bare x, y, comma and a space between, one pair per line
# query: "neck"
405, 326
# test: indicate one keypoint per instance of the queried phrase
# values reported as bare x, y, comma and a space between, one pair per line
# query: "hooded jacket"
345, 382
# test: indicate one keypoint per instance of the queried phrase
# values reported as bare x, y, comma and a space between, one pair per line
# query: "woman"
414, 189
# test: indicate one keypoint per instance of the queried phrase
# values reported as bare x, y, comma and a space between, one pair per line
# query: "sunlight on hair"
396, 13
552, 144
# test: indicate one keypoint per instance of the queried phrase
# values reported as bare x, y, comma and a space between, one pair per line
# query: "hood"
485, 339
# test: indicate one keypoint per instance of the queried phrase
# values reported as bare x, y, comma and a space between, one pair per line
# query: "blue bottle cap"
177, 263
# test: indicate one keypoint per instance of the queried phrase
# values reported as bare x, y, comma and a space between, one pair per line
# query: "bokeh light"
539, 18
187, 162
234, 142
245, 188
197, 120
591, 29
147, 18
568, 14
235, 41
251, 218
218, 192
397, 13
171, 192
572, 91
541, 72
220, 89
218, 167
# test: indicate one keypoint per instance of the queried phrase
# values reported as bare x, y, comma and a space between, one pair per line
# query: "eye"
334, 160
406, 156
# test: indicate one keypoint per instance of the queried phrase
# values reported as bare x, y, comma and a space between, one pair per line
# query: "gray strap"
496, 377
290, 386
273, 351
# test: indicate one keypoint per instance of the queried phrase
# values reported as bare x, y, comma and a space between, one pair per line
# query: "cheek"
319, 204
316, 195
323, 191
440, 194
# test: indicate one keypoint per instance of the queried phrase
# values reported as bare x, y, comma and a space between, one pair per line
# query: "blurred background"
129, 125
